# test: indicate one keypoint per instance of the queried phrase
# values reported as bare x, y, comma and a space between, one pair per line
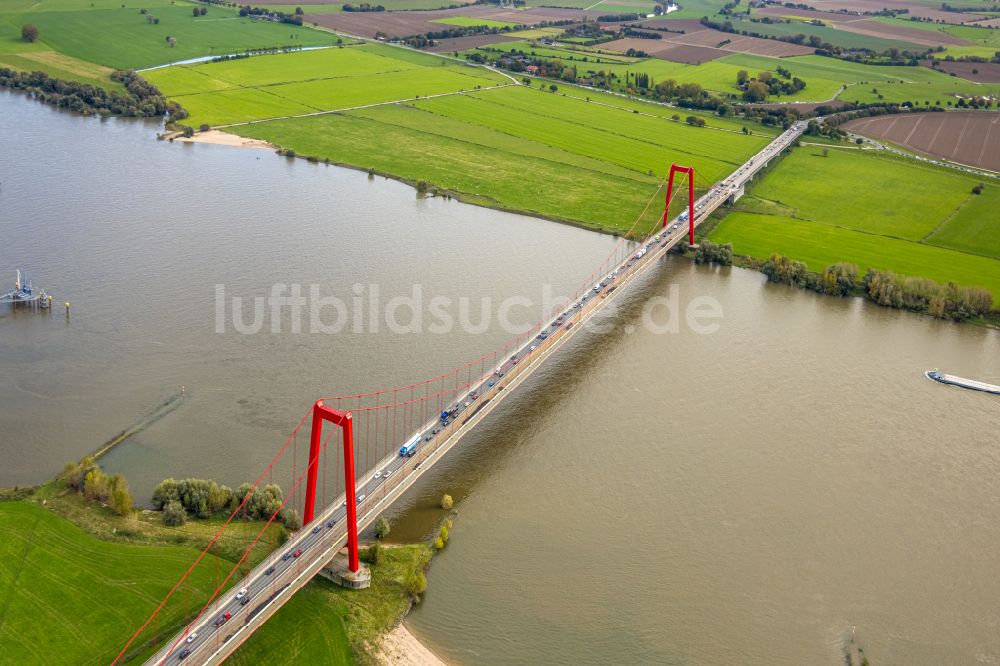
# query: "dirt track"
968, 137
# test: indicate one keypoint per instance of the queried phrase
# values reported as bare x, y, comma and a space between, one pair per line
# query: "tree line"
907, 292
203, 498
141, 98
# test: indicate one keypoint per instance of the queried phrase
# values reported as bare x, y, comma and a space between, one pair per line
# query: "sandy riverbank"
401, 648
218, 138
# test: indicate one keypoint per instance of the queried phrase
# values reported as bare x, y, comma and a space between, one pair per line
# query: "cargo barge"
962, 382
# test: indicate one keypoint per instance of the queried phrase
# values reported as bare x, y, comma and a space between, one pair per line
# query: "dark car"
222, 619
330, 523
287, 556
184, 653
269, 571
317, 529
244, 601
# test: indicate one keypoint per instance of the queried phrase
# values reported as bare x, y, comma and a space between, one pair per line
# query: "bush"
291, 519
978, 189
174, 514
439, 543
422, 186
446, 502
205, 127
417, 584
372, 554
713, 253
444, 535
29, 32
382, 528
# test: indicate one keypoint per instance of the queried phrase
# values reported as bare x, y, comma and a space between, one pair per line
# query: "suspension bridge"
393, 437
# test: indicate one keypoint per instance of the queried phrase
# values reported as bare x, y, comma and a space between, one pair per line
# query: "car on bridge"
223, 619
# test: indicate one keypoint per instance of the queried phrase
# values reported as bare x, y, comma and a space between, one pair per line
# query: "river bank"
400, 647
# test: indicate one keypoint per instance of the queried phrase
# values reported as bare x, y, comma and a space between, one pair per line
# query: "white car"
192, 637
387, 473
242, 593
378, 474
361, 498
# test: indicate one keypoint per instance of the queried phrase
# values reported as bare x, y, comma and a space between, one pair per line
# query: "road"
274, 581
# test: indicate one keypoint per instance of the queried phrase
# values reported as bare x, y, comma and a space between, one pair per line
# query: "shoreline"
220, 138
399, 647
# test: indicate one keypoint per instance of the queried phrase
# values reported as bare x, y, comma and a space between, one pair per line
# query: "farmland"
835, 208
287, 84
465, 21
125, 39
480, 145
967, 137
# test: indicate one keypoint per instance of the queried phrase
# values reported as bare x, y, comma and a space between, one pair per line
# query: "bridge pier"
338, 570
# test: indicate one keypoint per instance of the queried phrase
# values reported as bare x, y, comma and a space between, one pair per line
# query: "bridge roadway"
277, 578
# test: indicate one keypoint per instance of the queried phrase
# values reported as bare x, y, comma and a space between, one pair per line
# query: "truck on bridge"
407, 450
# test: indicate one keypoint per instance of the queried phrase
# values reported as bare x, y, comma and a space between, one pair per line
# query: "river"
754, 495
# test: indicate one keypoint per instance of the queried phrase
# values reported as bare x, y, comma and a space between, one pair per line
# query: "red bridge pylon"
345, 421
670, 190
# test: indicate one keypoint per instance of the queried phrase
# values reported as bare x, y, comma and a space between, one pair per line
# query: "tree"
742, 77
204, 10
95, 485
859, 141
978, 189
196, 11
120, 497
174, 514
172, 42
526, 81
29, 32
446, 502
755, 92
298, 11
382, 528
165, 493
553, 87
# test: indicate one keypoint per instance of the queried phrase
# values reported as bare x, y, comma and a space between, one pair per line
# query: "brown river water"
750, 496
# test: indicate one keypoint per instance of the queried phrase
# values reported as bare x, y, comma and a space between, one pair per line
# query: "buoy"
67, 308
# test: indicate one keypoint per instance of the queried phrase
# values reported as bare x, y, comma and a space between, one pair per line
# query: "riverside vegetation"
78, 537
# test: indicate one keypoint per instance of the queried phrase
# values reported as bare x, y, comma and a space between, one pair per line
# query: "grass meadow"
468, 22
482, 144
124, 39
246, 89
836, 208
72, 598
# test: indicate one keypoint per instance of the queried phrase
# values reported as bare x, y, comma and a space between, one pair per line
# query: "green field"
68, 597
467, 22
820, 245
842, 38
825, 77
482, 144
297, 83
822, 210
123, 38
